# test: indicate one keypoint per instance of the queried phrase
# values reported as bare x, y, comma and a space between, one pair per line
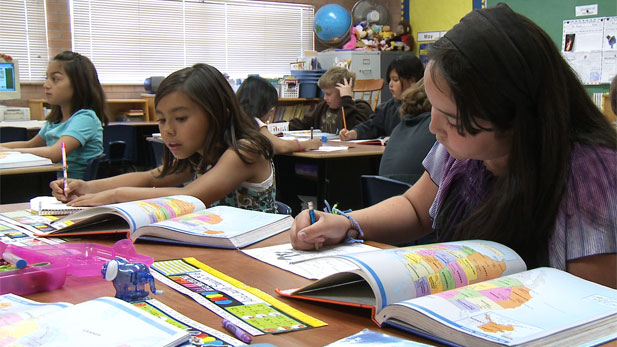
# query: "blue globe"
331, 24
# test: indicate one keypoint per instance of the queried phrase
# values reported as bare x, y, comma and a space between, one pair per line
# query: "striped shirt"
587, 218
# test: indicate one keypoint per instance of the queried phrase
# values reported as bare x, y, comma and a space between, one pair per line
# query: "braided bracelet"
300, 149
354, 224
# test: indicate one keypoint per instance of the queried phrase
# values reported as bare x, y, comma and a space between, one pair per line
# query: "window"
23, 36
129, 40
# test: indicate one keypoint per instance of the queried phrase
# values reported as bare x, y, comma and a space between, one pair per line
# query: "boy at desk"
336, 84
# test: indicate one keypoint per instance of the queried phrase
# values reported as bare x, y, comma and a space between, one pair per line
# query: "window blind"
129, 40
23, 36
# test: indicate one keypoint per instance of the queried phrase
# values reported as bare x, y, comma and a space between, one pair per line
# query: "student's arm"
308, 120
119, 188
396, 220
600, 268
36, 141
53, 152
288, 146
373, 127
356, 112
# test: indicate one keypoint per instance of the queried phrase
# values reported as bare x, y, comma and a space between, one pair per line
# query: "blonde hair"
334, 75
414, 100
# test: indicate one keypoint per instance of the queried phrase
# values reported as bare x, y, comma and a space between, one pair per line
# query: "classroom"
392, 193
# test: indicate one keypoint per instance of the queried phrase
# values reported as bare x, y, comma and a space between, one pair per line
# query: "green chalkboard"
550, 14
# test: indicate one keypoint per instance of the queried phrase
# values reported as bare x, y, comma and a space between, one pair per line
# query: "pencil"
312, 215
344, 121
64, 168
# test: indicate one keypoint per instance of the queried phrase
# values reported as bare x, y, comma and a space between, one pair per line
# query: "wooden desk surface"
342, 321
30, 169
354, 150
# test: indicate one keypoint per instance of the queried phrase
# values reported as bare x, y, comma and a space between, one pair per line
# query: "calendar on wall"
590, 47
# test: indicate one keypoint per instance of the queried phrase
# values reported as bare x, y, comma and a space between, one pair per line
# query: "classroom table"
332, 176
25, 183
342, 320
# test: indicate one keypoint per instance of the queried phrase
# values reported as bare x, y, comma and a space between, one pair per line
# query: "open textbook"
104, 321
470, 293
10, 160
179, 219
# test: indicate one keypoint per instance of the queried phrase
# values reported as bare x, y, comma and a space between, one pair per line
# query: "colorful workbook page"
201, 335
539, 307
100, 322
249, 308
309, 264
124, 217
219, 226
18, 228
11, 160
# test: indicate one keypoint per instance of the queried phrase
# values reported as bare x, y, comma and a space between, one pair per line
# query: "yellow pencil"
344, 121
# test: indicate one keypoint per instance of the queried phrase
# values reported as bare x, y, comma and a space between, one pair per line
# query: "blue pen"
311, 133
312, 215
239, 333
15, 260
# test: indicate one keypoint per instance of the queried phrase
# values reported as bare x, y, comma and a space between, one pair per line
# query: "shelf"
114, 107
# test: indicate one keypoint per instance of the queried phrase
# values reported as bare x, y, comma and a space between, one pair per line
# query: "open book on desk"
11, 160
178, 219
470, 293
100, 322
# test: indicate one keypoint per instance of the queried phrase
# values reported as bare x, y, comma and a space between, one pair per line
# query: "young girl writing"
403, 72
208, 140
77, 114
258, 98
524, 157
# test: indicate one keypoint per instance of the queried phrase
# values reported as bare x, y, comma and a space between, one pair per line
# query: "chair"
369, 90
119, 144
9, 134
378, 188
283, 208
156, 149
93, 166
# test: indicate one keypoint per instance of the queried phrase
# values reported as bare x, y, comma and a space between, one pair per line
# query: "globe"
331, 24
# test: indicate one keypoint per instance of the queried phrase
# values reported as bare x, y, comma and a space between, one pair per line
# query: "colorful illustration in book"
460, 265
165, 208
199, 222
251, 309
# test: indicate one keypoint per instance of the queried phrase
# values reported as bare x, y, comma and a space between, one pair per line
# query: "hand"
347, 135
329, 229
74, 188
345, 88
96, 199
311, 144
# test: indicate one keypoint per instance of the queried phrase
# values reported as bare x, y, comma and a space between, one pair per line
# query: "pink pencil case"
48, 265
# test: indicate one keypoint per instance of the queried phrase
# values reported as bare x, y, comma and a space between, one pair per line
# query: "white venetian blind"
23, 36
129, 40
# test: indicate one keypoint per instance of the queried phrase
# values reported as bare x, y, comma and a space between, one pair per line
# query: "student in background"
258, 98
208, 139
336, 84
524, 157
77, 114
411, 139
403, 72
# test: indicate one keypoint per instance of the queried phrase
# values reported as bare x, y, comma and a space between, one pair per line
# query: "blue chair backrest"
283, 208
378, 188
92, 168
120, 132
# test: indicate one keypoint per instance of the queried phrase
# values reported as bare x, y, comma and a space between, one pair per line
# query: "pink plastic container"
48, 265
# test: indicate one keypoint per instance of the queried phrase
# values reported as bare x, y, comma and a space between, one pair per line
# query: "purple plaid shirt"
587, 218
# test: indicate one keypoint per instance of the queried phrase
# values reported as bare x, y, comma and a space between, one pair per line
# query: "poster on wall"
589, 45
425, 40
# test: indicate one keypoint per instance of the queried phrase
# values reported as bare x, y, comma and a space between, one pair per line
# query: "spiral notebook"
48, 205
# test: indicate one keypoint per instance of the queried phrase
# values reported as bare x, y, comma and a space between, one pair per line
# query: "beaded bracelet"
355, 225
300, 149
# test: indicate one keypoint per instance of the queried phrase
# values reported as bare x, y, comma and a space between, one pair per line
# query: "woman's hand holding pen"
329, 229
345, 88
347, 135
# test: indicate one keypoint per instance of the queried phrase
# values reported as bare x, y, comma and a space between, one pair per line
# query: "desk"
23, 184
342, 321
334, 176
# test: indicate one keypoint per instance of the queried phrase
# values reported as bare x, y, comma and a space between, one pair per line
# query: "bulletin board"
590, 47
550, 15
